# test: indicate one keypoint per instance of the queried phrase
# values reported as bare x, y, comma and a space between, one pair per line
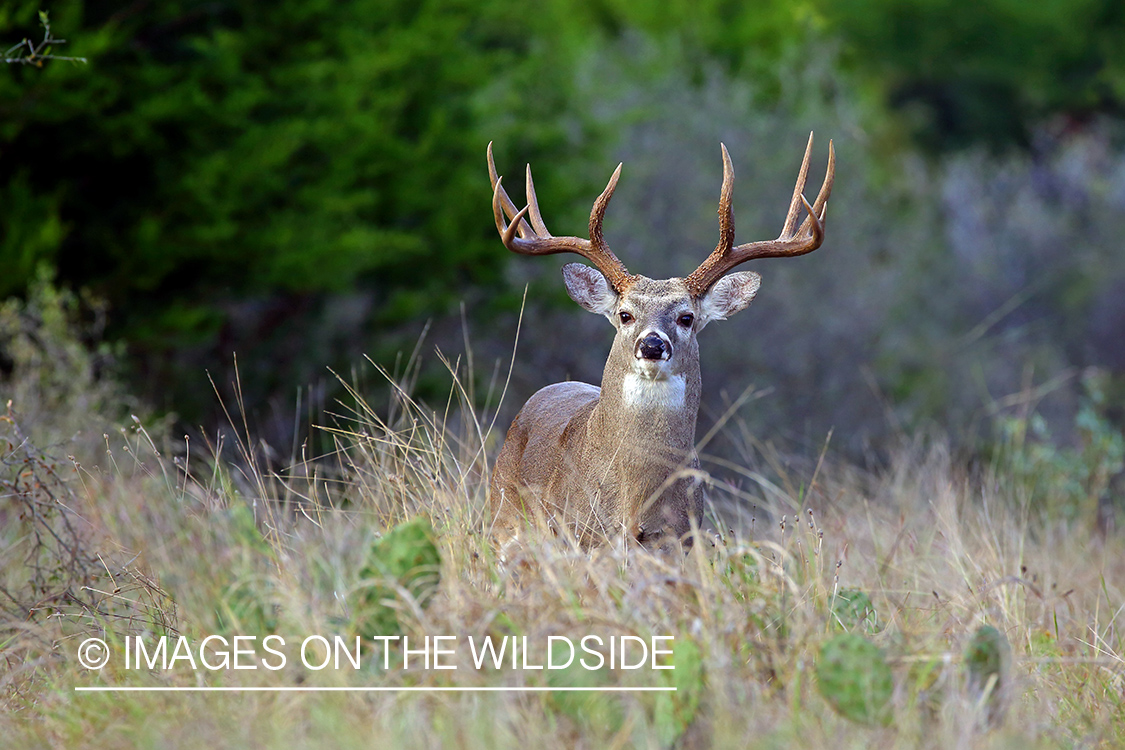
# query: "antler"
789, 243
521, 238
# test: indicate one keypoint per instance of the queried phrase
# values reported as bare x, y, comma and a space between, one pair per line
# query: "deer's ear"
729, 294
588, 287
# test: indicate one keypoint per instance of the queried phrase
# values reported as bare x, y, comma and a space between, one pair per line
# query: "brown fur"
583, 457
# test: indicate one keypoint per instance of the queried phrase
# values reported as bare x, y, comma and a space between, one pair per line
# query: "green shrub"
1060, 481
405, 562
56, 371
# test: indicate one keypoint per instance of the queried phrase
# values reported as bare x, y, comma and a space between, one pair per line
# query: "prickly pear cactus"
853, 676
852, 610
406, 557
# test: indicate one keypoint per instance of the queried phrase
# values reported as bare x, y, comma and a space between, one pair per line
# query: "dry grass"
205, 545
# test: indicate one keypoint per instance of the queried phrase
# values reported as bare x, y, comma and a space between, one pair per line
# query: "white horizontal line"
296, 689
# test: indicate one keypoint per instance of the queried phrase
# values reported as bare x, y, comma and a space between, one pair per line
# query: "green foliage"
245, 593
31, 232
676, 711
986, 71
299, 149
599, 712
1065, 482
854, 677
404, 562
218, 153
40, 343
246, 607
852, 610
742, 575
55, 369
747, 39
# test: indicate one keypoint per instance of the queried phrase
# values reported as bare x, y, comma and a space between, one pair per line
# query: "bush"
56, 373
1064, 482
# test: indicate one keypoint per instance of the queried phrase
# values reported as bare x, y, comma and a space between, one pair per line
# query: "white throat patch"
667, 393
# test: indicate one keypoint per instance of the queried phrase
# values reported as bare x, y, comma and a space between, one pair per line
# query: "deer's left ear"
729, 294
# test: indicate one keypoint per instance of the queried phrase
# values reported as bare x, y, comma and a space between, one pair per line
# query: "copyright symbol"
93, 653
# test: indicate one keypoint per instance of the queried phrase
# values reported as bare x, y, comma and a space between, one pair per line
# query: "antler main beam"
792, 241
533, 239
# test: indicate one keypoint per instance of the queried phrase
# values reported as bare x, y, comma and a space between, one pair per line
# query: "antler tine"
726, 206
533, 204
798, 191
792, 241
509, 234
498, 209
821, 203
534, 239
597, 214
500, 199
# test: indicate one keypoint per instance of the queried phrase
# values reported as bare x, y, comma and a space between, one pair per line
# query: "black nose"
653, 347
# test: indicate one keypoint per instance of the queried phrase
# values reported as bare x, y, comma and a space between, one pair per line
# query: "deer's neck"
640, 432
658, 414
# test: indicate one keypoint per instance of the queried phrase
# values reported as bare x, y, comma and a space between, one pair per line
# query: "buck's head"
657, 321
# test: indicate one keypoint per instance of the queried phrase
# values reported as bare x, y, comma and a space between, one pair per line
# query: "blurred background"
297, 184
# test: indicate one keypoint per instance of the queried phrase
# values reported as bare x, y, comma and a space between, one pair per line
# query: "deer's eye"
626, 318
686, 320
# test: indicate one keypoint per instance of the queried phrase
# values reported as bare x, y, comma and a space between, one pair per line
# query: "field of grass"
824, 606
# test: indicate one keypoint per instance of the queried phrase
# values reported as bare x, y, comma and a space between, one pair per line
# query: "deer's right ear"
589, 288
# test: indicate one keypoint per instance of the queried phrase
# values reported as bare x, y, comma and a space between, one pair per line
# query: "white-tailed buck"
620, 459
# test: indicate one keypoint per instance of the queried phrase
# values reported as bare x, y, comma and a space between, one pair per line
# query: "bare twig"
37, 54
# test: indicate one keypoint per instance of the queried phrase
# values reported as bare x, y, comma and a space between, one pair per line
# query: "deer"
619, 461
